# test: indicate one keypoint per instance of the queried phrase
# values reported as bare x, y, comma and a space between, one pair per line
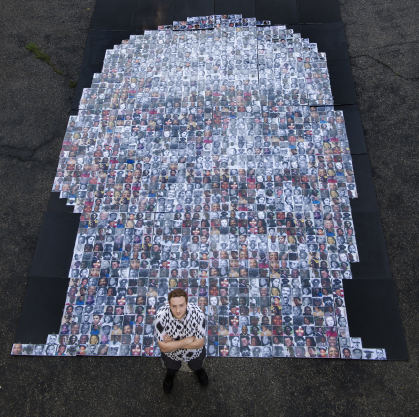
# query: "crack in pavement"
23, 154
382, 63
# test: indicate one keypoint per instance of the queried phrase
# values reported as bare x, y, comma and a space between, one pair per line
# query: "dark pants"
173, 366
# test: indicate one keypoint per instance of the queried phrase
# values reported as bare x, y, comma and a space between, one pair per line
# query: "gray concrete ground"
35, 102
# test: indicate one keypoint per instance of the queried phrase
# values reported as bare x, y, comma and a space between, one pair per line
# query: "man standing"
180, 331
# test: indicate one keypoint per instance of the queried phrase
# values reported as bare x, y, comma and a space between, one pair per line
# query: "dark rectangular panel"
343, 88
319, 11
366, 201
192, 8
247, 8
149, 14
354, 128
97, 44
278, 12
42, 309
374, 262
113, 15
58, 204
55, 245
330, 38
373, 315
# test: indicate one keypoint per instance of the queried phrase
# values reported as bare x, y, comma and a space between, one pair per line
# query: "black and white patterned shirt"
193, 324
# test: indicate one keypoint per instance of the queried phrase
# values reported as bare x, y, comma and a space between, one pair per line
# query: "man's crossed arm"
169, 345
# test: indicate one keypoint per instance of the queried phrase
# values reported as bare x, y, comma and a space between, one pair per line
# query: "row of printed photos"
135, 349
215, 21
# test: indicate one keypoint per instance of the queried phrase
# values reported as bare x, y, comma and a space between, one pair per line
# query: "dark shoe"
168, 383
203, 377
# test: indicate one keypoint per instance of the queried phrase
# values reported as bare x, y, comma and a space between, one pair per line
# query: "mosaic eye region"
208, 156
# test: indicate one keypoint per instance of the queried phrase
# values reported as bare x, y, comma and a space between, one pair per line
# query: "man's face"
266, 352
17, 349
85, 329
342, 322
286, 291
357, 353
178, 307
214, 291
38, 350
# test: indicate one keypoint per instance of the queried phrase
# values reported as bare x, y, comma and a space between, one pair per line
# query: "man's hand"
167, 338
196, 344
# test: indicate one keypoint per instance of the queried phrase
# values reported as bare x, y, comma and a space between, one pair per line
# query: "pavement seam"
382, 63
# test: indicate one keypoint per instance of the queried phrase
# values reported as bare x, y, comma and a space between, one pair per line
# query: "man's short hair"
178, 292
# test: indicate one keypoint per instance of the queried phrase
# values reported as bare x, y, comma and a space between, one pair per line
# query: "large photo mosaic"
208, 156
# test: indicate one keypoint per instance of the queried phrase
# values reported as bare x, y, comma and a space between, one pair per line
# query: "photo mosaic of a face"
208, 156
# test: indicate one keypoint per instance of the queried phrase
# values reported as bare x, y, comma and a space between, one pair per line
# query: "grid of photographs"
215, 21
211, 160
